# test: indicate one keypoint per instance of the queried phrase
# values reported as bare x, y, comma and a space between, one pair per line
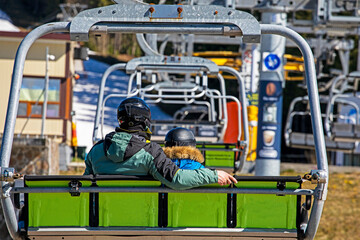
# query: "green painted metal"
218, 158
141, 209
128, 209
266, 211
215, 158
197, 210
265, 185
54, 183
57, 209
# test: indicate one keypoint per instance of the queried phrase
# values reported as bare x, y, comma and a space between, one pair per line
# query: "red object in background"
74, 140
232, 130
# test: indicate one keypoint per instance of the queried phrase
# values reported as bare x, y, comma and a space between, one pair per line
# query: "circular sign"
272, 61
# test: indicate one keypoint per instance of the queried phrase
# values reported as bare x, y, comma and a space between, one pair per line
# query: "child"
180, 147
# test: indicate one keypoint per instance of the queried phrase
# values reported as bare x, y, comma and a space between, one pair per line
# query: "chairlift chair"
186, 92
338, 126
302, 137
255, 208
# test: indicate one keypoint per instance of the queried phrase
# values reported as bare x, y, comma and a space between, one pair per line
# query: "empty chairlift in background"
209, 133
342, 112
298, 132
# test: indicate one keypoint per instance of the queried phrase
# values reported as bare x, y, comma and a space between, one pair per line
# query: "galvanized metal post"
46, 90
270, 98
358, 56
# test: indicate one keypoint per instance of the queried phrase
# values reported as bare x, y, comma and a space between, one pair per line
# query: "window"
32, 97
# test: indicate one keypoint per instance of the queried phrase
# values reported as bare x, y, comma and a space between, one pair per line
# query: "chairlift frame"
306, 140
343, 132
195, 65
156, 64
191, 19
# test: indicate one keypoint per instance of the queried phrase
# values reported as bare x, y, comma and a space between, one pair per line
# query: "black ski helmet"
134, 110
180, 137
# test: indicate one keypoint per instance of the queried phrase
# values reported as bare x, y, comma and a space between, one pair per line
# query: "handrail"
101, 95
163, 190
13, 103
330, 108
243, 110
319, 140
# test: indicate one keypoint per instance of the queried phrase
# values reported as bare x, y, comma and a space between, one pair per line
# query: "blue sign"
269, 125
272, 61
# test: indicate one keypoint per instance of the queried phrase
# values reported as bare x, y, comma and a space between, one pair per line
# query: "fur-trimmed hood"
184, 152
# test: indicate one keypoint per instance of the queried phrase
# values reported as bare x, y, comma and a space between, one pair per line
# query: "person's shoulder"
153, 148
154, 145
117, 137
96, 145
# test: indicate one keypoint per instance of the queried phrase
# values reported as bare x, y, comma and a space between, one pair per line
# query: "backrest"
150, 207
57, 209
218, 155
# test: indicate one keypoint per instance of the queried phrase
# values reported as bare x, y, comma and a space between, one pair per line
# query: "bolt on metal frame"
191, 19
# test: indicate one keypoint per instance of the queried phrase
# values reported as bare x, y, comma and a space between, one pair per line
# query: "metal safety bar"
335, 95
176, 64
153, 63
132, 17
221, 21
303, 140
340, 98
185, 69
314, 103
290, 117
162, 190
171, 65
211, 116
132, 67
106, 74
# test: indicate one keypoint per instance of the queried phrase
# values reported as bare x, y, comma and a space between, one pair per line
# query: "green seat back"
57, 209
185, 209
219, 159
266, 210
128, 209
197, 209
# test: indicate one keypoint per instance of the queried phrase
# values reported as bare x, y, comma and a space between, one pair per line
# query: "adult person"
180, 147
128, 151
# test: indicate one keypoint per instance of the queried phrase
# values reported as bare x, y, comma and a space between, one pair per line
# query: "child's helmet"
180, 137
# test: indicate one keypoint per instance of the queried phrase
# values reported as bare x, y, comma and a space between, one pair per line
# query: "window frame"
62, 100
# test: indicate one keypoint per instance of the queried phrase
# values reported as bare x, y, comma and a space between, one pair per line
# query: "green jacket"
130, 154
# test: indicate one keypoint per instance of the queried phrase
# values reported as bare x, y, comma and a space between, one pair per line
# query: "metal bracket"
242, 144
308, 202
281, 185
192, 64
6, 189
154, 18
9, 174
316, 176
74, 191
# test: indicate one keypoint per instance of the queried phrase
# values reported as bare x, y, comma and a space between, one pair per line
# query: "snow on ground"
85, 100
6, 23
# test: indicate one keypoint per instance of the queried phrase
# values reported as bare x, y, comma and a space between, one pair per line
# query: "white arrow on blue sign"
272, 62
